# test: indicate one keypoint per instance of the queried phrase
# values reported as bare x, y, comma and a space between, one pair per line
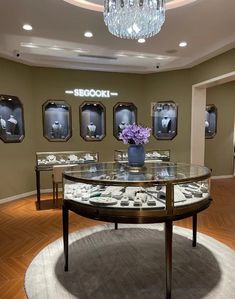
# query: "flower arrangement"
135, 134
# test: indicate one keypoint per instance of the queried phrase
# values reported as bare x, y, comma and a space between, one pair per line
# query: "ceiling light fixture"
27, 27
134, 19
141, 40
183, 44
88, 34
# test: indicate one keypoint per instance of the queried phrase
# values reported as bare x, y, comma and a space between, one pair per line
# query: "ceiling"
57, 38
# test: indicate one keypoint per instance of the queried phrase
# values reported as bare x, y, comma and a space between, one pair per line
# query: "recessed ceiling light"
27, 27
88, 34
55, 48
28, 45
141, 56
121, 55
141, 40
183, 44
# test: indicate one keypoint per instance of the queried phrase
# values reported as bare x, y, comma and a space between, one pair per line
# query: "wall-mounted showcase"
210, 121
56, 120
124, 114
164, 115
92, 121
11, 119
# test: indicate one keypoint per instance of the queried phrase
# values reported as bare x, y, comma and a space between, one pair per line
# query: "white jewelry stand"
12, 123
91, 130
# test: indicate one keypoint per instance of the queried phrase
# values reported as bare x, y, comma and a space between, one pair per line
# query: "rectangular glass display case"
49, 159
150, 155
46, 160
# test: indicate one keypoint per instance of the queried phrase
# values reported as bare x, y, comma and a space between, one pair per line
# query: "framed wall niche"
11, 119
57, 125
92, 121
164, 120
124, 113
210, 121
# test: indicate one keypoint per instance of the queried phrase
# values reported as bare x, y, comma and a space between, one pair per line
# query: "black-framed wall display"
210, 121
92, 121
164, 115
56, 120
124, 114
11, 119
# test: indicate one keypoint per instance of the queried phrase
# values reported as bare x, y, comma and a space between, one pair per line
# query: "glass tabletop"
151, 173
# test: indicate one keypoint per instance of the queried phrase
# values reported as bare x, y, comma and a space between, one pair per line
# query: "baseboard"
219, 177
22, 195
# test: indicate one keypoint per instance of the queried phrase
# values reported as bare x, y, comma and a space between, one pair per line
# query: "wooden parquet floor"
24, 231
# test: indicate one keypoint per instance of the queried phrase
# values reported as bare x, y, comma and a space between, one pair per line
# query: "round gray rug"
130, 263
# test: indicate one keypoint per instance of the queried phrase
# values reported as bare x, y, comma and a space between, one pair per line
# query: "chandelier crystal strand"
134, 19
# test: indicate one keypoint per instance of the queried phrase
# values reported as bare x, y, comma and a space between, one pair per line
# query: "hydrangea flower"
135, 134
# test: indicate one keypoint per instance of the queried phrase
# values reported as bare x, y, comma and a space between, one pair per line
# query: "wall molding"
22, 195
219, 177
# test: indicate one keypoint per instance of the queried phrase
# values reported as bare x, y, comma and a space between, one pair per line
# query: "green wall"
219, 150
35, 85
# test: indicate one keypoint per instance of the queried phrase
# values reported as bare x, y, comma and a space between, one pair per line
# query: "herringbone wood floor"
24, 231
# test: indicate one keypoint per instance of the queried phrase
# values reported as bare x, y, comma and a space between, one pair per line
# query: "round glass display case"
159, 190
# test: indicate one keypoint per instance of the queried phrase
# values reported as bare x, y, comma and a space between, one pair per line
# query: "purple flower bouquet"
135, 134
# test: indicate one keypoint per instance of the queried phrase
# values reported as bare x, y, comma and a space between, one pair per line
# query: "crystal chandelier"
134, 19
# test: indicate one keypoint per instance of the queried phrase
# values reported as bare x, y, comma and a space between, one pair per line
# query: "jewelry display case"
150, 155
11, 119
124, 114
92, 121
114, 184
158, 192
210, 121
164, 116
56, 120
46, 160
